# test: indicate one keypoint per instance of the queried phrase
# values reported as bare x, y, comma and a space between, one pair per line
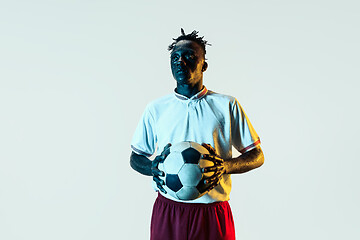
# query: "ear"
204, 67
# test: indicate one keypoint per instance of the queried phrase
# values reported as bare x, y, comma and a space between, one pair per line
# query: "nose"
181, 60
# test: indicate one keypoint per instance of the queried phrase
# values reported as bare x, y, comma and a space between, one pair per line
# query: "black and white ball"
183, 178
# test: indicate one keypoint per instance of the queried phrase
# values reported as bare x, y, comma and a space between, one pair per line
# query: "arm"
245, 162
147, 167
140, 164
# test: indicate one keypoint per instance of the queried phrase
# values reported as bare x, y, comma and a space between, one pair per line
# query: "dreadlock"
193, 37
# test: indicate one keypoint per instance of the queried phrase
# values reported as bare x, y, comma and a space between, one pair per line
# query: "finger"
161, 189
160, 158
156, 160
167, 146
209, 148
215, 159
213, 185
215, 177
166, 150
154, 166
212, 156
157, 172
158, 181
213, 169
209, 169
209, 186
159, 184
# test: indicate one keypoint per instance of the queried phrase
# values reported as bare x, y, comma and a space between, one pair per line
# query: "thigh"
168, 221
212, 223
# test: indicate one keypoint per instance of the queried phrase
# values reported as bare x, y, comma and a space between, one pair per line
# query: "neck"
189, 90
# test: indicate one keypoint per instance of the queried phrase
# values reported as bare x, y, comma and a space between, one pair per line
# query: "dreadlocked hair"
193, 37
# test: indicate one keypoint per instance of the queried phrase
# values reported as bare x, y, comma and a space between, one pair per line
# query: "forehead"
188, 45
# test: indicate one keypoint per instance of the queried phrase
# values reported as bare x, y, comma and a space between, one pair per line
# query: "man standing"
193, 113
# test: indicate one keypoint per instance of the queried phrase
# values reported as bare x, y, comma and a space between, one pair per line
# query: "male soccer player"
194, 113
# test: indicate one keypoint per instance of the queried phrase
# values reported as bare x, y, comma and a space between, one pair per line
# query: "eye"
174, 58
190, 56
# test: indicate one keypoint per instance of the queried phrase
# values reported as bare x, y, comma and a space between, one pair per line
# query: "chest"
192, 121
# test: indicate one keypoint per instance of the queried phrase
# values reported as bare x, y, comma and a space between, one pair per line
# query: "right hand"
155, 170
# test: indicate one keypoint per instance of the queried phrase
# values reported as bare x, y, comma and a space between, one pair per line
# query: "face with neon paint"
188, 62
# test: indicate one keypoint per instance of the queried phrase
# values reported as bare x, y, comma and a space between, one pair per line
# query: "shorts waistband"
163, 199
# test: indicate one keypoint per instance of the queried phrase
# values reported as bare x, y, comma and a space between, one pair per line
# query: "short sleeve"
144, 139
243, 135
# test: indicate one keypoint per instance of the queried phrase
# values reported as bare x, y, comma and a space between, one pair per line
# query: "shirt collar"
199, 95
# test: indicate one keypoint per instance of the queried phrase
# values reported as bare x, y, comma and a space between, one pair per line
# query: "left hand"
218, 168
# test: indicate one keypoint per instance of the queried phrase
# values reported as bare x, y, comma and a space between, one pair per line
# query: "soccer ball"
183, 178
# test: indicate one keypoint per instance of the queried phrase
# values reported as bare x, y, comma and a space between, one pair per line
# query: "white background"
75, 77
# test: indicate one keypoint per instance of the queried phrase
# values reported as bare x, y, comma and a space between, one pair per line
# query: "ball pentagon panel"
173, 182
191, 155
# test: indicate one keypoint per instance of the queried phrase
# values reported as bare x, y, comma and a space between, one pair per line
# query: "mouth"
181, 71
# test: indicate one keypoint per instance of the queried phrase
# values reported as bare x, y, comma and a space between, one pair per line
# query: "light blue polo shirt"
206, 117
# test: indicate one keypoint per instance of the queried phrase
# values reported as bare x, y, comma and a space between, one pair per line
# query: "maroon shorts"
191, 221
